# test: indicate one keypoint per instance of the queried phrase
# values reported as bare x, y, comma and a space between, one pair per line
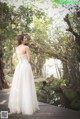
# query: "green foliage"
58, 83
70, 94
20, 20
4, 15
46, 93
10, 74
36, 23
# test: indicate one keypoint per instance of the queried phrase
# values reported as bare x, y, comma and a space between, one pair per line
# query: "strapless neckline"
22, 54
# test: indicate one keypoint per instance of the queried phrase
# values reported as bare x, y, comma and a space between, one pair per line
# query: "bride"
23, 96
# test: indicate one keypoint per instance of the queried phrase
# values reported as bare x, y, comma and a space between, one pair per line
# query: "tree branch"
50, 52
77, 37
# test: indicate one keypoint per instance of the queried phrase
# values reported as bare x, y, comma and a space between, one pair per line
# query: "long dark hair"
20, 38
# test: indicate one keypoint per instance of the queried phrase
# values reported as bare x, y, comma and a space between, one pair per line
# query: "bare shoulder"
27, 47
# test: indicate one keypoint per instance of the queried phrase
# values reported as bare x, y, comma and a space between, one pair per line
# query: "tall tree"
4, 22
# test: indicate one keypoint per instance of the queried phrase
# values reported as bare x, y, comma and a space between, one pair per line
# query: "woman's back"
22, 49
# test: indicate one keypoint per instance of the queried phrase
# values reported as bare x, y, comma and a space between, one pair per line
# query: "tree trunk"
3, 82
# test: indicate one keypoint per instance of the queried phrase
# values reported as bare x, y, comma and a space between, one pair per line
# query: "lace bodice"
22, 57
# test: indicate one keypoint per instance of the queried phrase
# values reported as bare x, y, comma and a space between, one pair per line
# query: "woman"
23, 98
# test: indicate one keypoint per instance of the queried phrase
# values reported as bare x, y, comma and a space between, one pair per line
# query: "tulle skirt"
23, 96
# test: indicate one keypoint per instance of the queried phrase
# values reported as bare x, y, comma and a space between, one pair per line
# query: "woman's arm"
28, 53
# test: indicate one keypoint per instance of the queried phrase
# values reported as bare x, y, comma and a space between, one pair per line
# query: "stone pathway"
46, 111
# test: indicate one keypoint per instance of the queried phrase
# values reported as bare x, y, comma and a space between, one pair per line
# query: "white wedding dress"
23, 96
